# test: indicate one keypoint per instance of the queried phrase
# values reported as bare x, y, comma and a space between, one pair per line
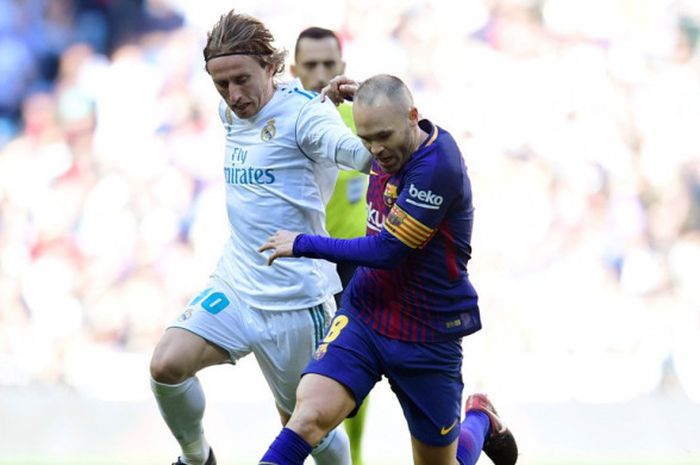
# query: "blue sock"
473, 432
287, 449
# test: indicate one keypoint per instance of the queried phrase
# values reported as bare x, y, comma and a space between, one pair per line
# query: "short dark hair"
238, 34
316, 33
385, 86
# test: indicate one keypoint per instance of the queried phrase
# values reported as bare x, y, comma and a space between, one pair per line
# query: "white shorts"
282, 341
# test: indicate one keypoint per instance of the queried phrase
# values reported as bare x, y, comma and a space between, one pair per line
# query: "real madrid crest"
185, 315
268, 131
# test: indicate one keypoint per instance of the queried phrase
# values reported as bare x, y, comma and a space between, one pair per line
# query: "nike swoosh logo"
444, 431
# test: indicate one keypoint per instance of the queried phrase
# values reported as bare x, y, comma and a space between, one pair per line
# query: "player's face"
242, 83
317, 62
386, 130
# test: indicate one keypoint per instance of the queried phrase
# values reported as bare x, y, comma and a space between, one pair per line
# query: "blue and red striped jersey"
412, 283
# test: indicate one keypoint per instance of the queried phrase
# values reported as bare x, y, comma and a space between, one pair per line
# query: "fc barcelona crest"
268, 131
321, 351
390, 195
396, 217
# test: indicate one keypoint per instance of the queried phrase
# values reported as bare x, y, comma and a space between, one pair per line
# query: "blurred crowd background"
579, 121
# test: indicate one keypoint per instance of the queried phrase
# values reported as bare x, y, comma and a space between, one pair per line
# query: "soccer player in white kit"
283, 146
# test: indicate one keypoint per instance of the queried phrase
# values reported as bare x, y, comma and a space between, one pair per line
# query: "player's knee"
311, 420
166, 369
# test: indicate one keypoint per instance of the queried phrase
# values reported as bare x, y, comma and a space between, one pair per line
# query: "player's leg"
427, 381
341, 373
205, 334
355, 428
483, 429
282, 353
333, 448
178, 356
425, 454
322, 404
473, 432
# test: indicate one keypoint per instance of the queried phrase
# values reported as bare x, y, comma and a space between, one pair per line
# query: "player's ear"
413, 116
342, 67
293, 70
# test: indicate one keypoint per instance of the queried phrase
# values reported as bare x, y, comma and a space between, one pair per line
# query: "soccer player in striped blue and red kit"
410, 301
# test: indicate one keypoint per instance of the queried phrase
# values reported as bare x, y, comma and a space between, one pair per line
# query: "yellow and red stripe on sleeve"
407, 229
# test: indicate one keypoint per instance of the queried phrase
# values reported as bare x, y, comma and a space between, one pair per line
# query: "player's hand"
338, 89
281, 243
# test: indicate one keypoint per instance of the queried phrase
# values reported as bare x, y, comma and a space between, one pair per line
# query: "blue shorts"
426, 378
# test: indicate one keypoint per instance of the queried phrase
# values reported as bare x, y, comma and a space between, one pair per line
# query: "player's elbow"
390, 259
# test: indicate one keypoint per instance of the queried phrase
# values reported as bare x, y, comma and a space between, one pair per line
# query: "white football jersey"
280, 168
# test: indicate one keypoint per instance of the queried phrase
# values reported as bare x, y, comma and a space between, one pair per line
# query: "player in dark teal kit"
410, 301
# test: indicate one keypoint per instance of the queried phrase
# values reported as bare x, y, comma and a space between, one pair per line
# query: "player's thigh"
425, 454
348, 354
322, 404
427, 380
211, 330
180, 354
284, 343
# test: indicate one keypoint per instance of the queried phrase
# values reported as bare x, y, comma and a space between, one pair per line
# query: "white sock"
334, 449
182, 408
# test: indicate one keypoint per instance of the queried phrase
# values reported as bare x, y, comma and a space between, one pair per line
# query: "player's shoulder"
441, 148
293, 91
439, 158
306, 104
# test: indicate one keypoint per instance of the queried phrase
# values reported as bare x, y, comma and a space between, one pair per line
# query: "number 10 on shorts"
213, 302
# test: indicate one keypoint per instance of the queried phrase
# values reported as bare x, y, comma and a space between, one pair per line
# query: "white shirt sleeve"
323, 137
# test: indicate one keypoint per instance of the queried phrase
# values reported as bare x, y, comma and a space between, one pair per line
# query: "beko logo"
427, 198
